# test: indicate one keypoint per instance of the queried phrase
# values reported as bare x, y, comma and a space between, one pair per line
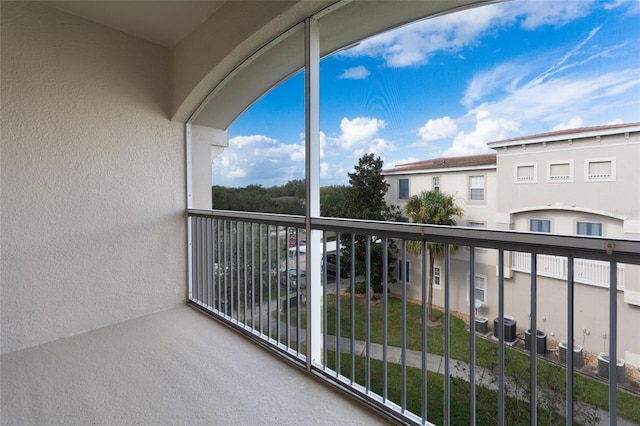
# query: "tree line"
284, 199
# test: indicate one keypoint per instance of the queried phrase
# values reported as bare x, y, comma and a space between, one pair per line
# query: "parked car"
331, 266
294, 276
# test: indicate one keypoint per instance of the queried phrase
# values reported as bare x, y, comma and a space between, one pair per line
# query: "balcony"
173, 367
590, 272
382, 353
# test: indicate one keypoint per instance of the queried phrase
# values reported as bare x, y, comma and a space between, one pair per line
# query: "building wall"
614, 204
578, 194
456, 183
92, 176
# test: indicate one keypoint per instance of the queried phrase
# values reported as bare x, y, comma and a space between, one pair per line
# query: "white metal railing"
592, 272
381, 353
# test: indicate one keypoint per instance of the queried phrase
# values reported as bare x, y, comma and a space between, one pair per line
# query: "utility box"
541, 341
578, 362
603, 367
482, 325
509, 329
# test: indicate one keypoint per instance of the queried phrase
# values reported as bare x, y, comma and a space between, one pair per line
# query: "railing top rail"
606, 249
267, 218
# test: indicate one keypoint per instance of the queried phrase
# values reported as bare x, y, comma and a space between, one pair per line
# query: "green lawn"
517, 412
550, 376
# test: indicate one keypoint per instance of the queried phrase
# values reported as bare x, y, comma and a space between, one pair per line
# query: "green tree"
332, 200
434, 208
365, 200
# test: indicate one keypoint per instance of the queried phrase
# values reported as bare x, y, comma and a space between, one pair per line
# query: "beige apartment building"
571, 182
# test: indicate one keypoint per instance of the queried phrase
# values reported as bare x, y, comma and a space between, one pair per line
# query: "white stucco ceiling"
161, 22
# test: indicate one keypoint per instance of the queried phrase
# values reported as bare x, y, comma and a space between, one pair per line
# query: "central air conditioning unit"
603, 367
541, 341
509, 329
578, 362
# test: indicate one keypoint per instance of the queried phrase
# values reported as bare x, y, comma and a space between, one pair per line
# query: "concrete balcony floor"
174, 367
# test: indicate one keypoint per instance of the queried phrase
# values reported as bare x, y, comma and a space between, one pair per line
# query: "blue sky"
445, 87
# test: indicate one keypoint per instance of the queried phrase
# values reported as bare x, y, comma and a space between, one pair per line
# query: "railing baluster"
325, 319
297, 290
472, 335
353, 309
403, 341
425, 326
260, 276
219, 265
209, 250
278, 280
225, 271
238, 283
338, 302
533, 380
231, 265
569, 340
368, 316
200, 259
613, 342
286, 294
447, 329
246, 281
253, 276
501, 395
269, 330
385, 318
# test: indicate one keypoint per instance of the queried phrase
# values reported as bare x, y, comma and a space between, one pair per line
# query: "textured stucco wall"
92, 178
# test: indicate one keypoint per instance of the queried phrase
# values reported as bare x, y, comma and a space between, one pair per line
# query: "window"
436, 183
436, 276
476, 188
471, 224
540, 225
407, 269
526, 173
403, 189
590, 228
600, 169
560, 171
480, 288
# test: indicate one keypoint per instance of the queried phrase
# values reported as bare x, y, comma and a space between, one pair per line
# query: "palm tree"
434, 208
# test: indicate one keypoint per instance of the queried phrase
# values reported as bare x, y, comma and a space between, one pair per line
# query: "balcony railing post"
533, 326
613, 342
447, 335
425, 326
501, 381
472, 336
570, 338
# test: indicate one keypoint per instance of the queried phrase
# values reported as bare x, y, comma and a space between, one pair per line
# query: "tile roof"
447, 163
566, 132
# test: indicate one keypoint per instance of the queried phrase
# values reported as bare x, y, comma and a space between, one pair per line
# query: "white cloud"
557, 13
632, 6
413, 44
359, 130
437, 129
324, 169
355, 73
504, 76
487, 129
267, 160
573, 123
